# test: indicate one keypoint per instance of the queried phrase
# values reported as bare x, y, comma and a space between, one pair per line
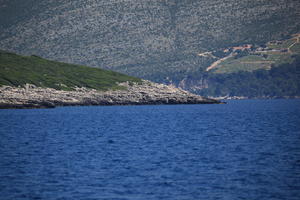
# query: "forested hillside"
160, 40
141, 34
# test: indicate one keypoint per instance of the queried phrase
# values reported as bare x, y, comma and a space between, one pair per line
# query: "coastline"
145, 93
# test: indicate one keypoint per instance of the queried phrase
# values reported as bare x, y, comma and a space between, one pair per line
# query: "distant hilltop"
34, 82
145, 38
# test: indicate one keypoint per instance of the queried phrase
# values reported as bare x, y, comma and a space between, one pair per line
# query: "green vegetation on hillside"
296, 48
280, 81
282, 45
16, 70
274, 54
254, 62
247, 63
136, 36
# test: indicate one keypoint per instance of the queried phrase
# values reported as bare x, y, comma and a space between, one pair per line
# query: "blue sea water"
243, 150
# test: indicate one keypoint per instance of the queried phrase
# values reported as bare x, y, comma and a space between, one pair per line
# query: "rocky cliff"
143, 93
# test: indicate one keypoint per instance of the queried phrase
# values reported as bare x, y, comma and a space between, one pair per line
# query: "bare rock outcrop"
142, 93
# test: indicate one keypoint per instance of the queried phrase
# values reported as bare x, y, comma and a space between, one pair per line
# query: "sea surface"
243, 150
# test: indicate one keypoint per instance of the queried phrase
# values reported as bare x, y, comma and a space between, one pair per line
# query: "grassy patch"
254, 62
296, 48
247, 63
236, 67
251, 58
280, 58
283, 45
16, 70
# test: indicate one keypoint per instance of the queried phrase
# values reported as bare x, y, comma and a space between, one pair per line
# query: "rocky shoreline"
144, 93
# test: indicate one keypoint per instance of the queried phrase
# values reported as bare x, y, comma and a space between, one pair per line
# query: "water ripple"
243, 150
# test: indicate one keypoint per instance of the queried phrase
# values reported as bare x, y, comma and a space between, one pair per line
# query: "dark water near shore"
243, 150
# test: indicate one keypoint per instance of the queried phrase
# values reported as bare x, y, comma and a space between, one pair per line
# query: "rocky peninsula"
144, 93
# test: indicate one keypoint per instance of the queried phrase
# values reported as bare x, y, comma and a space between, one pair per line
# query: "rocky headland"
144, 93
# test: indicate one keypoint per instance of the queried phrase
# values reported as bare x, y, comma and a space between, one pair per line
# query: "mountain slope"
16, 70
166, 41
144, 38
